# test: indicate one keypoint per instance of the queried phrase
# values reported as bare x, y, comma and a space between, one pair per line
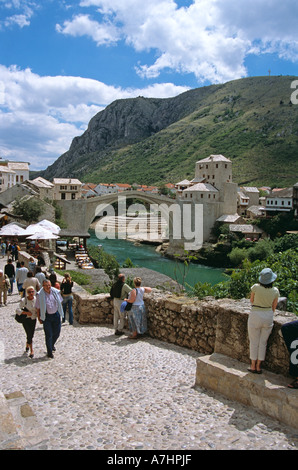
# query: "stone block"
268, 393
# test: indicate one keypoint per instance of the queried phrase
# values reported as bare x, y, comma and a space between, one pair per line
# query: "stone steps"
268, 392
19, 427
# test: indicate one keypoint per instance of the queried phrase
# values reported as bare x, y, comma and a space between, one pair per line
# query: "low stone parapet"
207, 326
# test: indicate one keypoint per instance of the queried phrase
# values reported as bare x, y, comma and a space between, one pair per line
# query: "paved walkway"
106, 393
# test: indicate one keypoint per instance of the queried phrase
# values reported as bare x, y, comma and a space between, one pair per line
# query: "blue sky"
62, 61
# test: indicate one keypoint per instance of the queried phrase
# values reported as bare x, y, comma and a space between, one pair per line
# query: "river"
145, 256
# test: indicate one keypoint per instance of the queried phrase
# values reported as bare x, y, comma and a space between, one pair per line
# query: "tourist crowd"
46, 300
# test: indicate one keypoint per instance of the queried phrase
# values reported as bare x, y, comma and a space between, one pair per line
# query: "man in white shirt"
21, 276
40, 275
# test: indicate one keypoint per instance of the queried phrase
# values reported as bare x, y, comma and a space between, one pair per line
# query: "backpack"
116, 289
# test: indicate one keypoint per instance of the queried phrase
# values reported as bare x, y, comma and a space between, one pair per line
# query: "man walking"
119, 292
21, 276
49, 313
9, 270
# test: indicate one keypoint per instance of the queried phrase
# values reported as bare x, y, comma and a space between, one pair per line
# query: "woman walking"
27, 308
66, 291
137, 316
264, 299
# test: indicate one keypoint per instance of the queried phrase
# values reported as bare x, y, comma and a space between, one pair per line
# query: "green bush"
261, 250
80, 278
290, 240
285, 265
237, 256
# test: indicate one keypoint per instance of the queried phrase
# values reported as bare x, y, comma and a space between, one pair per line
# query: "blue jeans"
67, 302
52, 328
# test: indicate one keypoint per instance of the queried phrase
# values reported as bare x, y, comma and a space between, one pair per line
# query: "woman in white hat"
264, 299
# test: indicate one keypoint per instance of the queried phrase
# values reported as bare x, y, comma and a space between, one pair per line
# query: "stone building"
279, 200
67, 189
12, 173
213, 188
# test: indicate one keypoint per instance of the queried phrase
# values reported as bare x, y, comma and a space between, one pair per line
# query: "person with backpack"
118, 292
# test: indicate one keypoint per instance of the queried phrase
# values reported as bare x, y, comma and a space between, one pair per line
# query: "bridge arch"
79, 213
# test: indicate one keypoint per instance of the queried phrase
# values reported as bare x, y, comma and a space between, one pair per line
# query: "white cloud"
210, 38
23, 12
39, 116
82, 25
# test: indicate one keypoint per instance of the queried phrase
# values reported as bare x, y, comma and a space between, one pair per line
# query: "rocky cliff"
252, 121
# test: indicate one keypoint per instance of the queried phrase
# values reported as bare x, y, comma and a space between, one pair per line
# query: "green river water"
145, 256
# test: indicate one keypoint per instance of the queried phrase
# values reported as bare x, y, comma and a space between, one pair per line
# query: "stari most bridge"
184, 219
79, 213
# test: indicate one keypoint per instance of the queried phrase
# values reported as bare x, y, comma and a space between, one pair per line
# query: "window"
73, 195
62, 195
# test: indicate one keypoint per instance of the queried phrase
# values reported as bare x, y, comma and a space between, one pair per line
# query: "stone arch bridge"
185, 224
79, 213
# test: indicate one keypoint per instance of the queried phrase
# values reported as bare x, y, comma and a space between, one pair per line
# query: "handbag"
126, 305
129, 304
21, 318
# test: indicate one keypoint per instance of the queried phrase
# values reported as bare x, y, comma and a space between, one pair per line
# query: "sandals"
255, 371
294, 384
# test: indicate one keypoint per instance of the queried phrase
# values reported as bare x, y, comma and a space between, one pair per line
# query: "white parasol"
11, 230
49, 226
42, 234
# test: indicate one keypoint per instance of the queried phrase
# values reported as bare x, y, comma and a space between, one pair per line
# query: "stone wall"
205, 326
24, 256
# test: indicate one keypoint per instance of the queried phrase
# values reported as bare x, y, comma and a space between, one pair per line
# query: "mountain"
252, 121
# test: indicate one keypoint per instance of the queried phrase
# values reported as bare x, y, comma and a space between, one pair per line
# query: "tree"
28, 209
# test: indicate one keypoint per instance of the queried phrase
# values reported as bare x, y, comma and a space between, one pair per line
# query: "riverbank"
146, 256
99, 279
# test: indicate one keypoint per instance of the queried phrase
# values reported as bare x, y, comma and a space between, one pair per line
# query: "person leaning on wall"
264, 299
